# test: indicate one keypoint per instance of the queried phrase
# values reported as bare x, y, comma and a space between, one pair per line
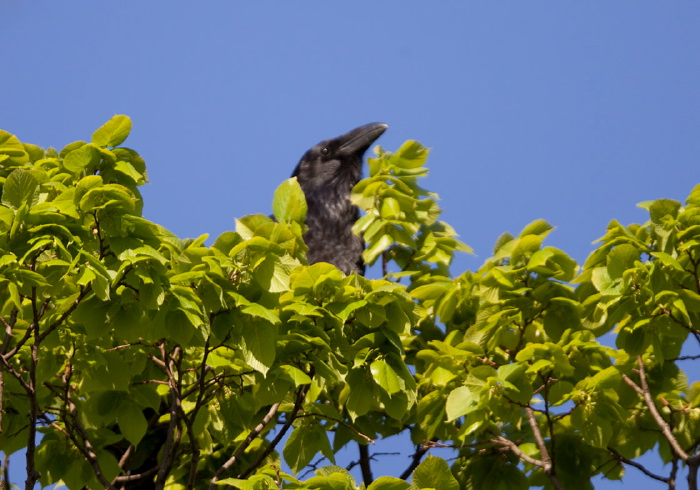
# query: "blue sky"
568, 111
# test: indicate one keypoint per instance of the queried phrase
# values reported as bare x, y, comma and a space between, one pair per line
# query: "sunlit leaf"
113, 132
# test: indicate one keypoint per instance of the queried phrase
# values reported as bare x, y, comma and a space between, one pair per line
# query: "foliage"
130, 355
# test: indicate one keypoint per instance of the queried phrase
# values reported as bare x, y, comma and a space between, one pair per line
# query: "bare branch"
547, 465
173, 436
646, 394
253, 434
86, 448
201, 386
84, 292
640, 467
513, 447
365, 464
686, 358
120, 480
415, 461
32, 473
340, 422
546, 460
3, 350
301, 394
6, 472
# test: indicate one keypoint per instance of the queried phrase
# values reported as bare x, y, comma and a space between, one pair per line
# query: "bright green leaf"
113, 132
289, 203
20, 188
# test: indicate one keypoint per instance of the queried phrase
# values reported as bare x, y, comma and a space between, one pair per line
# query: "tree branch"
32, 473
173, 437
513, 447
640, 467
189, 421
86, 448
251, 436
365, 465
547, 465
6, 472
83, 292
340, 422
120, 480
3, 350
646, 394
298, 403
415, 461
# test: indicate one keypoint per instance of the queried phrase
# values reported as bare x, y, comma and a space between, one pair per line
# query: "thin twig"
640, 467
340, 422
132, 478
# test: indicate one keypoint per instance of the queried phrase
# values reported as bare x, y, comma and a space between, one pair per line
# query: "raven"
327, 173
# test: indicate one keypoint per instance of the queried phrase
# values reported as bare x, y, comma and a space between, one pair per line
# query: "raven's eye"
325, 151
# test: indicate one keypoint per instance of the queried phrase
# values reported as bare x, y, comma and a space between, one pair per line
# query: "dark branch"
415, 461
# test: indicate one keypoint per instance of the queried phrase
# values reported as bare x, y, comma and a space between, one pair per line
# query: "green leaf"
10, 145
376, 248
433, 290
661, 208
82, 158
307, 278
604, 283
128, 169
362, 393
668, 260
106, 195
390, 208
261, 312
388, 483
434, 473
28, 278
298, 376
254, 482
607, 379
132, 422
303, 444
259, 345
461, 401
410, 155
113, 132
386, 377
538, 227
620, 259
20, 188
289, 203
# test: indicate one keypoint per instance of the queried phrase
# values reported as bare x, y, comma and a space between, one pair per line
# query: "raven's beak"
359, 139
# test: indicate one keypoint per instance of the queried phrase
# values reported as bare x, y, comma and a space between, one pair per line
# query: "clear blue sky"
568, 111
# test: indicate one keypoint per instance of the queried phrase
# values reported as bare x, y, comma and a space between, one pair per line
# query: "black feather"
327, 173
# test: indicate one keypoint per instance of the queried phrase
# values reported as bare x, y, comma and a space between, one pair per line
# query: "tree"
134, 359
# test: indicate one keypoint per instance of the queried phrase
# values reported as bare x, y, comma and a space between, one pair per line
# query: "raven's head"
337, 162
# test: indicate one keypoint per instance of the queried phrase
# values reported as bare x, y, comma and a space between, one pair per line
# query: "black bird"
327, 173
